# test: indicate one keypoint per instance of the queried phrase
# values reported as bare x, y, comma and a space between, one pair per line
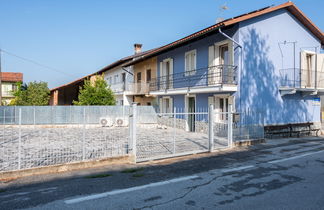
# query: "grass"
138, 175
131, 170
98, 176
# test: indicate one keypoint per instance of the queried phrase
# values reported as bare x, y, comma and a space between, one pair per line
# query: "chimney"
138, 48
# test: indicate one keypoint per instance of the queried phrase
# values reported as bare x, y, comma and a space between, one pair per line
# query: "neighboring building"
247, 61
8, 85
119, 78
143, 74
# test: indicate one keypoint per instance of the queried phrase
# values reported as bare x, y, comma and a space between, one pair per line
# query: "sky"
74, 38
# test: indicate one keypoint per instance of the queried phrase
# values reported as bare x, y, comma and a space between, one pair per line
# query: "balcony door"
220, 61
166, 79
307, 69
224, 62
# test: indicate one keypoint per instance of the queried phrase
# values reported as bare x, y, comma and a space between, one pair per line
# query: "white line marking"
120, 191
295, 157
115, 192
14, 194
236, 169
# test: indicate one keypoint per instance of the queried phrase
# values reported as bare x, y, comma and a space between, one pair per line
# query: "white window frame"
163, 73
190, 70
215, 100
163, 103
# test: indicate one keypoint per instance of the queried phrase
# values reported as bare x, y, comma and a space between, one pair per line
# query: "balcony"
295, 79
131, 88
200, 78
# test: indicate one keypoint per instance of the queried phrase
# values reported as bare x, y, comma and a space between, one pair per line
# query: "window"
149, 103
139, 77
148, 75
190, 63
224, 55
115, 79
221, 106
166, 105
166, 80
308, 69
123, 77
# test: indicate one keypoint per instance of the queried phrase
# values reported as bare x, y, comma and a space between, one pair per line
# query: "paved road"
281, 174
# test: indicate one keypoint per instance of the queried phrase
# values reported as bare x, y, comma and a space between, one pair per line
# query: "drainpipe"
240, 46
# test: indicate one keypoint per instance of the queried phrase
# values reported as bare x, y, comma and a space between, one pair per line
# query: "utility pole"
0, 80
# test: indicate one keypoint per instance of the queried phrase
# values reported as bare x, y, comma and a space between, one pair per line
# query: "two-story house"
9, 82
264, 61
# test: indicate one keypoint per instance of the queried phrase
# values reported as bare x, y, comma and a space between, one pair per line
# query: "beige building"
8, 85
144, 73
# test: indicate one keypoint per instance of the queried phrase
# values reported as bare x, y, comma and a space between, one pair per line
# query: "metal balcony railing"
301, 78
131, 87
209, 76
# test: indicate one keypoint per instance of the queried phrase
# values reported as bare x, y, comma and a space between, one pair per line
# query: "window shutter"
211, 64
211, 55
162, 79
187, 57
217, 110
303, 68
320, 70
193, 61
160, 105
171, 105
171, 72
211, 101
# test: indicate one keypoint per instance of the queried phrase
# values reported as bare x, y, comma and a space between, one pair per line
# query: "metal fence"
28, 139
42, 136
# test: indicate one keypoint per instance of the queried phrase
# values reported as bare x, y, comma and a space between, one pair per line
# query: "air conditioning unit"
106, 122
121, 122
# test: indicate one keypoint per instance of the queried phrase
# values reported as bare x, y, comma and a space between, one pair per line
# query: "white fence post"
211, 127
230, 126
19, 141
83, 134
174, 129
132, 128
34, 116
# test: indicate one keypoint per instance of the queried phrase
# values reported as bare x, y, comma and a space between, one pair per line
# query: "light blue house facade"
267, 62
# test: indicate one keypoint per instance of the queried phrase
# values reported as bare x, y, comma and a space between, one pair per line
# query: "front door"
191, 112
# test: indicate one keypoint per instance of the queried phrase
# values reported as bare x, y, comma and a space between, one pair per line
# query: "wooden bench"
290, 129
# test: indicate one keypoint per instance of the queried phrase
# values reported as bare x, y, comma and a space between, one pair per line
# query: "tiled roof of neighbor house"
291, 7
110, 66
11, 77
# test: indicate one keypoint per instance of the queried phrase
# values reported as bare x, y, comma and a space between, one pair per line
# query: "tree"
32, 94
95, 92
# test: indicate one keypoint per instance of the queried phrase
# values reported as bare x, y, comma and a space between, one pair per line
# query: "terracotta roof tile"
11, 77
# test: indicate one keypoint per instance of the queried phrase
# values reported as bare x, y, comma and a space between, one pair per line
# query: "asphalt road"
280, 174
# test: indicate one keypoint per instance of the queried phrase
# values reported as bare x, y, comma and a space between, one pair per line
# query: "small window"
123, 77
166, 105
139, 77
115, 79
190, 63
149, 103
148, 75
